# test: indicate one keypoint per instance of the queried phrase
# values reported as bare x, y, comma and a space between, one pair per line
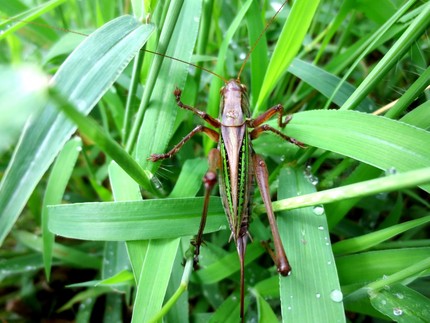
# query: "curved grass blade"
327, 83
57, 183
83, 78
288, 45
385, 144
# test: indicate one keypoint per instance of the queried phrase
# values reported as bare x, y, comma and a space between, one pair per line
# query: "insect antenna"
258, 40
188, 63
145, 50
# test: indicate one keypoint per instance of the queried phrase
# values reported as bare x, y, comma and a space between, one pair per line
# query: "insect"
238, 164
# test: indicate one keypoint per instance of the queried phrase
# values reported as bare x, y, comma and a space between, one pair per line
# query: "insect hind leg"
209, 181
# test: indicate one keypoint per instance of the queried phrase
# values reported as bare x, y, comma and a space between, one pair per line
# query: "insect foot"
177, 94
156, 157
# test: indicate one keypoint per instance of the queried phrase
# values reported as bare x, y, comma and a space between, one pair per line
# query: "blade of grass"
312, 291
82, 79
9, 26
395, 53
371, 239
134, 220
58, 179
288, 45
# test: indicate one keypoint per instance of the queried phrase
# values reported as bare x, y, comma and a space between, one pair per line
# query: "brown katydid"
238, 164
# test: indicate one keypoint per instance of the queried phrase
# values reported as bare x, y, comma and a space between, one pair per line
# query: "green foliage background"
352, 208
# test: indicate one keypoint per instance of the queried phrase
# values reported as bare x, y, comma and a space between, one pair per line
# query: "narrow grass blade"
369, 240
288, 45
160, 111
312, 291
57, 183
374, 186
94, 132
327, 84
154, 278
359, 269
396, 52
66, 254
11, 26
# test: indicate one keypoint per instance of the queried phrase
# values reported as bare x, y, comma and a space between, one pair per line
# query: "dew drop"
397, 311
318, 295
329, 262
390, 171
400, 296
81, 104
309, 176
318, 210
320, 227
336, 296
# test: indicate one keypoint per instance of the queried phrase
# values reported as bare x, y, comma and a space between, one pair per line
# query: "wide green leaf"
385, 144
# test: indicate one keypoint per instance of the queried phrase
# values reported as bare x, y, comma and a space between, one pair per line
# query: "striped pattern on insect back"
235, 192
234, 146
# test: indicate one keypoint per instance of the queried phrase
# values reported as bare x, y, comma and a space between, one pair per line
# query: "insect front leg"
209, 181
257, 123
211, 133
265, 127
261, 174
212, 121
262, 118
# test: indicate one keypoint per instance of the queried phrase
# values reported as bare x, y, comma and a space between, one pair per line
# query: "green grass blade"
67, 254
396, 52
359, 269
82, 79
402, 304
10, 26
384, 144
288, 46
137, 220
108, 145
154, 278
365, 188
312, 291
371, 239
327, 84
410, 95
160, 112
58, 179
